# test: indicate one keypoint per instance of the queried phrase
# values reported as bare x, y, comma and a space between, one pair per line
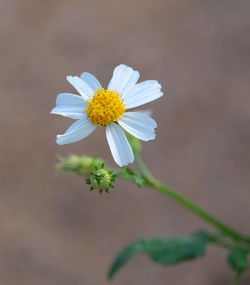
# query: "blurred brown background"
53, 230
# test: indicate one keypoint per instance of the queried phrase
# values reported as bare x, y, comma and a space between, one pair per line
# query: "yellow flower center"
106, 106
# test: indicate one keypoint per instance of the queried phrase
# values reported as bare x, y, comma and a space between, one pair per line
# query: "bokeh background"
53, 230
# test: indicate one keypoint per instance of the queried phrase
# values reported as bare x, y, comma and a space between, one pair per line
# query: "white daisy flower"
108, 107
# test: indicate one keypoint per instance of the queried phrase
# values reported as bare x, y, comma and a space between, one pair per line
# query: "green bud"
101, 180
82, 165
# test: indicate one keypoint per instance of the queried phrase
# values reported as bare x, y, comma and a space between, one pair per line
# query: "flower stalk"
158, 186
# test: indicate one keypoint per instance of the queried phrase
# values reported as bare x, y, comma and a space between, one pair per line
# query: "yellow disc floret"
106, 106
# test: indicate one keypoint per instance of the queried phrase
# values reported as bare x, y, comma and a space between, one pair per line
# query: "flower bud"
101, 180
82, 165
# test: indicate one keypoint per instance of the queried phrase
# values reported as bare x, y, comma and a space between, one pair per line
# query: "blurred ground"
53, 230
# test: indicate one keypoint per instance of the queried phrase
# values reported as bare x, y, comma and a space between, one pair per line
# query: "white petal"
75, 126
143, 93
81, 86
124, 78
69, 105
148, 112
139, 125
91, 80
69, 111
77, 131
69, 99
119, 145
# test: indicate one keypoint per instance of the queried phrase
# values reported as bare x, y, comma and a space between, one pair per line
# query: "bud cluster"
99, 176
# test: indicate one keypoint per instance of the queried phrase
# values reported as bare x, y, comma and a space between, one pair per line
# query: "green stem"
155, 184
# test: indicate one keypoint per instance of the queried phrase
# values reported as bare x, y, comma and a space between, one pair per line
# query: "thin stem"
155, 184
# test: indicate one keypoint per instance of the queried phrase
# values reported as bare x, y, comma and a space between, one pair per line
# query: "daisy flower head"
108, 108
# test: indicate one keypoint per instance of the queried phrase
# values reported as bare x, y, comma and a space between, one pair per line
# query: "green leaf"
237, 259
165, 251
125, 255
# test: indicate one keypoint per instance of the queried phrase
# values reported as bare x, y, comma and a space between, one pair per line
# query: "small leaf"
237, 259
126, 254
135, 177
165, 251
